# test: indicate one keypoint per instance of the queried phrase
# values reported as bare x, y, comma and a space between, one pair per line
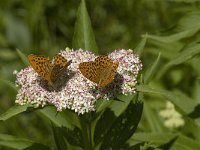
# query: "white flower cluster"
77, 92
172, 118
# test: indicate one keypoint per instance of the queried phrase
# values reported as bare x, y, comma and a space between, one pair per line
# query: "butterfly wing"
41, 65
108, 74
88, 70
106, 70
59, 66
101, 71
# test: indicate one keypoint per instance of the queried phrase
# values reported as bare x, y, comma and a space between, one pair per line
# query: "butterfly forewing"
88, 69
101, 71
41, 65
60, 60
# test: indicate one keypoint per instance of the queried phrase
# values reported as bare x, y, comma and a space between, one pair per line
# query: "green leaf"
194, 63
58, 137
196, 93
174, 37
190, 21
192, 126
185, 104
112, 109
182, 142
83, 34
14, 142
20, 143
64, 127
14, 110
103, 125
7, 54
66, 123
151, 72
23, 57
122, 128
3, 41
73, 136
140, 47
167, 50
188, 53
61, 119
9, 84
157, 138
117, 105
168, 145
152, 119
17, 32
101, 104
38, 147
186, 143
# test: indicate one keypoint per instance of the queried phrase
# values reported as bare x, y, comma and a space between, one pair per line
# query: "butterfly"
49, 70
101, 71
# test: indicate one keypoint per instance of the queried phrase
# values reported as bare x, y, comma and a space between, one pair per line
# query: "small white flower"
172, 118
15, 72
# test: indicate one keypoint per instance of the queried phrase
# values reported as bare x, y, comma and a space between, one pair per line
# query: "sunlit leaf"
182, 57
182, 142
17, 32
102, 104
186, 105
7, 54
58, 138
9, 84
23, 57
83, 33
152, 119
13, 111
20, 143
174, 37
152, 70
60, 119
190, 21
140, 47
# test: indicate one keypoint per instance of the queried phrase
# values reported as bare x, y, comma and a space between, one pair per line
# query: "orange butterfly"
101, 71
49, 70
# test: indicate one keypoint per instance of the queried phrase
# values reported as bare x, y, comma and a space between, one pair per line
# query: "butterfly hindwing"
108, 74
107, 70
59, 66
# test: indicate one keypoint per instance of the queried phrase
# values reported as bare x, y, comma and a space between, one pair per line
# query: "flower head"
74, 91
172, 118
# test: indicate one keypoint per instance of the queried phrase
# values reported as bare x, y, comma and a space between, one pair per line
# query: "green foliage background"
172, 27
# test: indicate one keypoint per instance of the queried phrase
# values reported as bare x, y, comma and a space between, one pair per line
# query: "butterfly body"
48, 69
101, 71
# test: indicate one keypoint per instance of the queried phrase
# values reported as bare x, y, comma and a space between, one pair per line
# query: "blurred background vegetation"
46, 26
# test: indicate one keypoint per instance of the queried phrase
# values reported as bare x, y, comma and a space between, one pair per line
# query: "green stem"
86, 131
